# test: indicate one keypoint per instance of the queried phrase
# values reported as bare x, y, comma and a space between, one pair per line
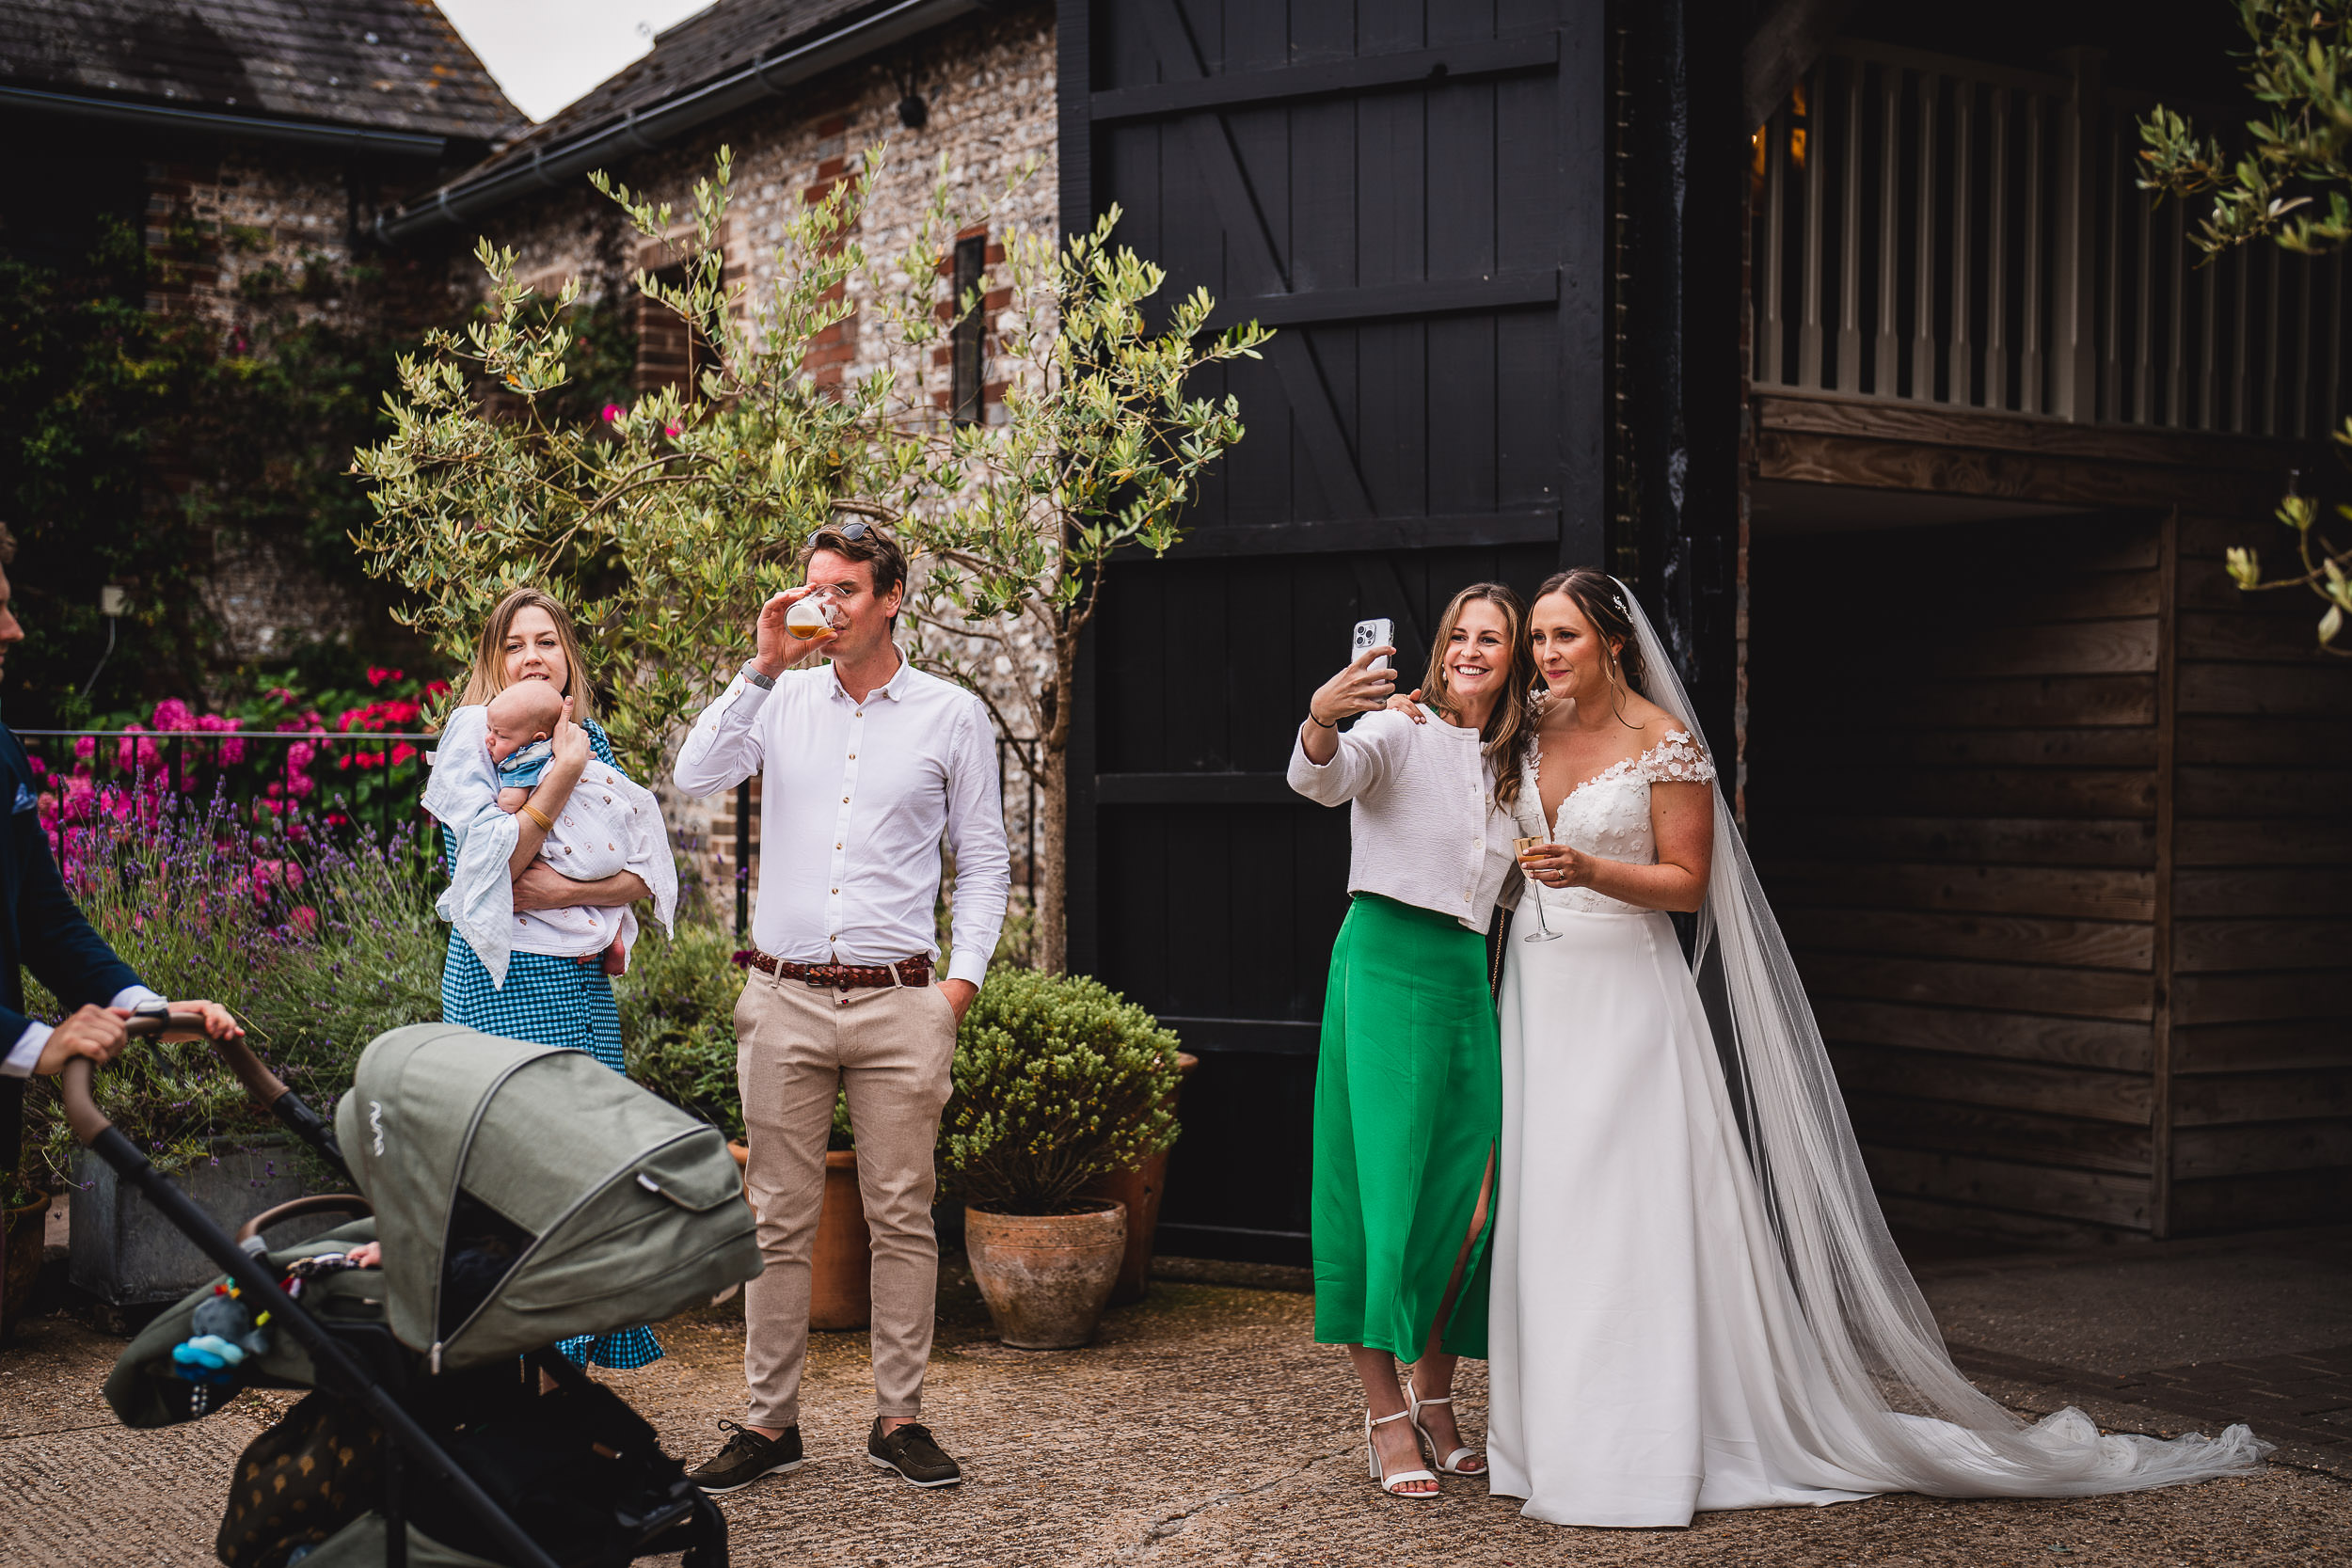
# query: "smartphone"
1379, 632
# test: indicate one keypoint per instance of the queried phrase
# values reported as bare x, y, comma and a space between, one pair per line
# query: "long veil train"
1911, 1420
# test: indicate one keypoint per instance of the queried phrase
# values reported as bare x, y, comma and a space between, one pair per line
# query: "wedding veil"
1895, 1408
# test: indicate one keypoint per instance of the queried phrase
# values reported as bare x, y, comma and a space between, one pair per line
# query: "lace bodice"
1608, 815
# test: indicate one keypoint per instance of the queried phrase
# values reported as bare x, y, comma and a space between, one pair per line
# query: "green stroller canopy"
630, 1208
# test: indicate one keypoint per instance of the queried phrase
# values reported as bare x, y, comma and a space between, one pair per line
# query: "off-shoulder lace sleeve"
1677, 759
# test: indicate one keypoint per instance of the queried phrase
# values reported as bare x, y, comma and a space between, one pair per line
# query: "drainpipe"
642, 130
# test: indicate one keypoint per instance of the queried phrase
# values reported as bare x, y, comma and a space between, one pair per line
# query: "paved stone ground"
1204, 1428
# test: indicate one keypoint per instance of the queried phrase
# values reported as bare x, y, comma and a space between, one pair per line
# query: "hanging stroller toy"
504, 1229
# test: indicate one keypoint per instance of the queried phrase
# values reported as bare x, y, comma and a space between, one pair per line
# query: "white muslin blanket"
610, 825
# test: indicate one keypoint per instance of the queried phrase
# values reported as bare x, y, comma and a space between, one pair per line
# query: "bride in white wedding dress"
1695, 1301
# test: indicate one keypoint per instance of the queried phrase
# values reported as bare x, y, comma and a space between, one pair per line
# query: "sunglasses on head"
854, 530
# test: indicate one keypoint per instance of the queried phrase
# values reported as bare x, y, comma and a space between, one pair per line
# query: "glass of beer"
1542, 932
812, 616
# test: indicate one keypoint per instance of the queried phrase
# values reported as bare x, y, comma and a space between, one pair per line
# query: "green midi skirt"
1408, 1107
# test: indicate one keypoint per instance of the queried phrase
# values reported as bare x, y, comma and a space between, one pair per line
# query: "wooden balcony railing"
1947, 232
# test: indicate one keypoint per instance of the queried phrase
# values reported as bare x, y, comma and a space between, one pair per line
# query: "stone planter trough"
124, 1252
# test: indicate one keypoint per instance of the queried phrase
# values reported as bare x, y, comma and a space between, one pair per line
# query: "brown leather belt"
906, 972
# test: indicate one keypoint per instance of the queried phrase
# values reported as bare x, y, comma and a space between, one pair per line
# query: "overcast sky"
546, 52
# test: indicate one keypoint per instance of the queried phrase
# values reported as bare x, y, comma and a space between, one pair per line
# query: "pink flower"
86, 746
40, 769
611, 412
402, 753
669, 430
173, 714
304, 919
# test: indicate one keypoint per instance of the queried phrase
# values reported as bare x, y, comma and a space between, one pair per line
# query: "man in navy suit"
41, 931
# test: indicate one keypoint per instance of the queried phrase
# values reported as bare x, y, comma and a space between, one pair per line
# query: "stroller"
444, 1431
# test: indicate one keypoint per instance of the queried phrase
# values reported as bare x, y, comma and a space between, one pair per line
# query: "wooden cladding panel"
2326, 841
2261, 1042
2212, 1151
2268, 1097
2060, 892
2122, 1097
2096, 945
2069, 649
2042, 702
2001, 986
1973, 1182
2251, 998
2026, 1136
1987, 844
2262, 1047
2295, 690
2232, 945
1968, 882
2116, 1046
2262, 1203
2265, 741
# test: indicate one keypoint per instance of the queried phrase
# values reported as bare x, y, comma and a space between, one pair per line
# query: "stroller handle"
81, 1109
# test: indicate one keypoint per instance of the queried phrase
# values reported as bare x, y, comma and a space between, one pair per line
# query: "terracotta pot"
1139, 1190
841, 1261
27, 1230
1046, 1278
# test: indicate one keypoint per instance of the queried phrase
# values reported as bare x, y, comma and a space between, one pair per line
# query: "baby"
586, 842
491, 758
523, 720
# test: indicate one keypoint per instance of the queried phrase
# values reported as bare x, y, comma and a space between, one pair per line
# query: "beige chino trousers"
889, 1049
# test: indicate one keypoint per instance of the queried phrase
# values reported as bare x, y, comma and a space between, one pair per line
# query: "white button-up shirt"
1425, 828
855, 800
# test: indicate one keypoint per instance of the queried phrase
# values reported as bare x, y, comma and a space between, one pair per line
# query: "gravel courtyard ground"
1204, 1427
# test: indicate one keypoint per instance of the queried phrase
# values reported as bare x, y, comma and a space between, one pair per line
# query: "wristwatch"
750, 674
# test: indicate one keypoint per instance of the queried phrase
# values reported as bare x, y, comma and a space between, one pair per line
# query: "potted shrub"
677, 1030
1059, 1081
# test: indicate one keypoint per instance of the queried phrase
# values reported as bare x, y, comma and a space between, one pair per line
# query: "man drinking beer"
874, 764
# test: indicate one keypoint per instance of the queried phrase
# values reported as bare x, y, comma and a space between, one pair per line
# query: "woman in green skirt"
1408, 1094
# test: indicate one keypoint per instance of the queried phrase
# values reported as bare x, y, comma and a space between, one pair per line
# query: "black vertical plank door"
1413, 193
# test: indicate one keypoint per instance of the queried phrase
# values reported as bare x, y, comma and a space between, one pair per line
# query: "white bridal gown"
1651, 1354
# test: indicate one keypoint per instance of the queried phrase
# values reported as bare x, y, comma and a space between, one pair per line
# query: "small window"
670, 352
963, 395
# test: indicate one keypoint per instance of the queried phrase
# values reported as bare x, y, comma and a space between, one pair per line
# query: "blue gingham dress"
549, 1001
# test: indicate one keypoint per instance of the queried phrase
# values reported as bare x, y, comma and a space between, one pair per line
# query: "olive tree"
664, 525
2291, 185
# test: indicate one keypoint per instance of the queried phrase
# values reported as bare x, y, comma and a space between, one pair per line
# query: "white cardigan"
1425, 830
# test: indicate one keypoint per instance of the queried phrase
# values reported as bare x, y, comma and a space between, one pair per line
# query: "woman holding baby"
527, 789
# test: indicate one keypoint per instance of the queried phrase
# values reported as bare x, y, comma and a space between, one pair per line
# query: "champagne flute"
1524, 847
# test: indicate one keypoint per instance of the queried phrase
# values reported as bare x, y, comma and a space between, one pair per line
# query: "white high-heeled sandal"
1388, 1483
1451, 1464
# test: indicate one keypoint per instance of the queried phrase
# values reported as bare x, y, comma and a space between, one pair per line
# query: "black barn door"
1413, 191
